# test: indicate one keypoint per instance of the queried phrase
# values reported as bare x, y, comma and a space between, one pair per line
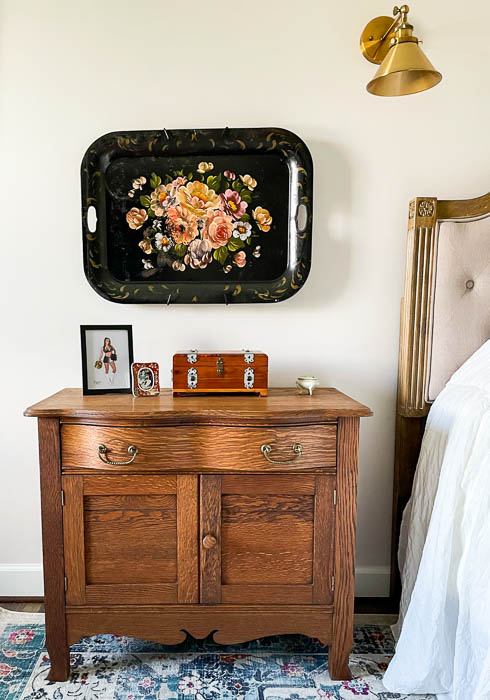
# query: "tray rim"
204, 141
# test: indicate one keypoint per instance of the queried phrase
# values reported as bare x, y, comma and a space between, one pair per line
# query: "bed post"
413, 361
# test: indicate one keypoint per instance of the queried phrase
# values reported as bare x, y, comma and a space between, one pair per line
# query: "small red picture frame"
146, 378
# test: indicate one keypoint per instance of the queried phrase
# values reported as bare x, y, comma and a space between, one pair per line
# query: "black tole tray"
197, 216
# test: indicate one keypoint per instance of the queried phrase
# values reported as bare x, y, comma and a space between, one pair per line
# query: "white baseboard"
19, 580
372, 581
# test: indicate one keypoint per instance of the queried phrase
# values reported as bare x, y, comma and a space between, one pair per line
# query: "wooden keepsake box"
220, 372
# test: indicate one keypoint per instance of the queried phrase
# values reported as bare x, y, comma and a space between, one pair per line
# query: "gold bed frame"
415, 345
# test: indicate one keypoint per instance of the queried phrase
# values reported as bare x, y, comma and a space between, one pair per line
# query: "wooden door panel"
255, 542
131, 539
275, 552
151, 548
274, 539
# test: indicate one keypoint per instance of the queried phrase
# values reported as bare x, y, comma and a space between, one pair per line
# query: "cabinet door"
267, 539
131, 539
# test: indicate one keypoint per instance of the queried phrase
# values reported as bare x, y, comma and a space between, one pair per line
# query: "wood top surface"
281, 405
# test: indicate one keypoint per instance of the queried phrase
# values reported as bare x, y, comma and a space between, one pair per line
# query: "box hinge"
66, 584
62, 498
333, 583
335, 497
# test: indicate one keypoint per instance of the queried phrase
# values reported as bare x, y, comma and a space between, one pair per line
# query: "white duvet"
444, 555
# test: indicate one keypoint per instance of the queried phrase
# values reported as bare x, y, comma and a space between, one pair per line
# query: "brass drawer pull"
209, 541
132, 450
267, 449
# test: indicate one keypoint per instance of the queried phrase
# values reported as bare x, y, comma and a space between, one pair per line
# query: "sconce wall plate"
373, 46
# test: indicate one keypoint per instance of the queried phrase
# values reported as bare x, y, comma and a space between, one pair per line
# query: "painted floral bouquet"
197, 220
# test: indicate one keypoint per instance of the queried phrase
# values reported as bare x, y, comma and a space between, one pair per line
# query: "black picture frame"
83, 341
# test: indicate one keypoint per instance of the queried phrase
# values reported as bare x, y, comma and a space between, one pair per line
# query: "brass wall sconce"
404, 68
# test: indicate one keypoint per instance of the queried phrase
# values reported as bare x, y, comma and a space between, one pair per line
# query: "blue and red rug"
108, 667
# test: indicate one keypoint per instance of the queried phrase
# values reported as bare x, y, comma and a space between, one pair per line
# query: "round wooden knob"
209, 541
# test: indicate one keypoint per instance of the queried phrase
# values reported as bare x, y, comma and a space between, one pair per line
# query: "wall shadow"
331, 244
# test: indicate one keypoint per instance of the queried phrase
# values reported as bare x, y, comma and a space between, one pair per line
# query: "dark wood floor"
23, 607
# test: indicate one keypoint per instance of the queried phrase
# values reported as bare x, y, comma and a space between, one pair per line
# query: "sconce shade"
405, 70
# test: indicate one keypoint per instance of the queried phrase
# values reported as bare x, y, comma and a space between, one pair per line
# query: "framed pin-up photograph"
107, 356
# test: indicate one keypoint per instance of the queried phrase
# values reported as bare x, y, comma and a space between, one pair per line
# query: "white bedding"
444, 555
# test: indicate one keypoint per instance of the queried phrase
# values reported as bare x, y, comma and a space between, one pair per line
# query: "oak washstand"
165, 516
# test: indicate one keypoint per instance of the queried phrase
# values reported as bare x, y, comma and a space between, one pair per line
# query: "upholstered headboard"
445, 317
446, 307
460, 309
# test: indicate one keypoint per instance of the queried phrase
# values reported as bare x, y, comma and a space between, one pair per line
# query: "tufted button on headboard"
460, 313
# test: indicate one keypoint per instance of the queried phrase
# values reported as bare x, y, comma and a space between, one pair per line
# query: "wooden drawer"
199, 448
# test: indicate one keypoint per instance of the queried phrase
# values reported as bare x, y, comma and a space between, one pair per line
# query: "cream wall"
70, 72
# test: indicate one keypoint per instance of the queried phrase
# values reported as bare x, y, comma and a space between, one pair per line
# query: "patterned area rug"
109, 667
